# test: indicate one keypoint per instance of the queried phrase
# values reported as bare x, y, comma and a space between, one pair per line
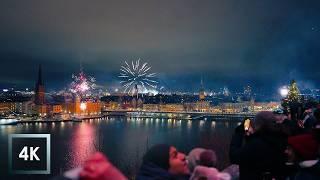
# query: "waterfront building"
199, 106
28, 107
7, 107
171, 107
112, 105
266, 106
82, 108
16, 107
56, 109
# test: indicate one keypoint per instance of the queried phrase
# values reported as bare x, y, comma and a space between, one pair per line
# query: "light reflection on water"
82, 144
124, 140
213, 124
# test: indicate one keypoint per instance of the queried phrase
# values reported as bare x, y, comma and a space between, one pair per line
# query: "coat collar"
309, 163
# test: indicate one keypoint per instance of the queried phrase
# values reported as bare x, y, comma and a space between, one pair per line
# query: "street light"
83, 106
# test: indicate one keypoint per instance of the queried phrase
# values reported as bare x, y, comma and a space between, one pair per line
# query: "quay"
140, 114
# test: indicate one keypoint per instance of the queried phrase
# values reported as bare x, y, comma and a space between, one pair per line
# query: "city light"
284, 91
83, 106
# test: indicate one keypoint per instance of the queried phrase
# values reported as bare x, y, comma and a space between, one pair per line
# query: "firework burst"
82, 84
137, 77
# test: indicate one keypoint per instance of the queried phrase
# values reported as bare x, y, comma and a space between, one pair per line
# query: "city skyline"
264, 44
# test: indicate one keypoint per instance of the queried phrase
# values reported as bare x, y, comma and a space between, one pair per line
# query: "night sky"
264, 43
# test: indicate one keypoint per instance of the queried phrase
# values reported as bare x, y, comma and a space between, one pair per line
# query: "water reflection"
82, 145
201, 123
62, 124
189, 124
6, 130
213, 124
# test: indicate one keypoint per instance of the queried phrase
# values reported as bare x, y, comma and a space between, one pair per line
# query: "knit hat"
202, 172
208, 158
194, 158
304, 145
158, 155
264, 120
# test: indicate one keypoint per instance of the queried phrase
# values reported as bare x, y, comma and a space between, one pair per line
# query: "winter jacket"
150, 171
308, 171
309, 122
259, 156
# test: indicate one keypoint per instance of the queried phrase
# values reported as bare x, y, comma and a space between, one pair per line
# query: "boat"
75, 119
8, 121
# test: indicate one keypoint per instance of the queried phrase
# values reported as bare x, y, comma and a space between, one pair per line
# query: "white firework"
137, 77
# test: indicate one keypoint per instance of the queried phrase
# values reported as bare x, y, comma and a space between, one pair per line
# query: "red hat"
305, 145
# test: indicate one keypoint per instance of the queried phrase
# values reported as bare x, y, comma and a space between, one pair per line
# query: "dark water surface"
123, 140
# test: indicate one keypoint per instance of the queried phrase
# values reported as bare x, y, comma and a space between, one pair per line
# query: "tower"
201, 92
39, 89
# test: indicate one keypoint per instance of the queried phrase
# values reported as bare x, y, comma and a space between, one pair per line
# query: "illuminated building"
26, 107
266, 106
199, 106
114, 105
82, 108
235, 107
171, 107
7, 107
56, 108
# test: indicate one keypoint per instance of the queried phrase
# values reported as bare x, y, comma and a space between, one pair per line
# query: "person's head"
208, 158
203, 157
280, 118
177, 162
302, 147
308, 108
264, 120
168, 158
291, 156
194, 157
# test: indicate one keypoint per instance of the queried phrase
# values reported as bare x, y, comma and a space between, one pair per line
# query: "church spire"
202, 83
201, 92
40, 81
39, 89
